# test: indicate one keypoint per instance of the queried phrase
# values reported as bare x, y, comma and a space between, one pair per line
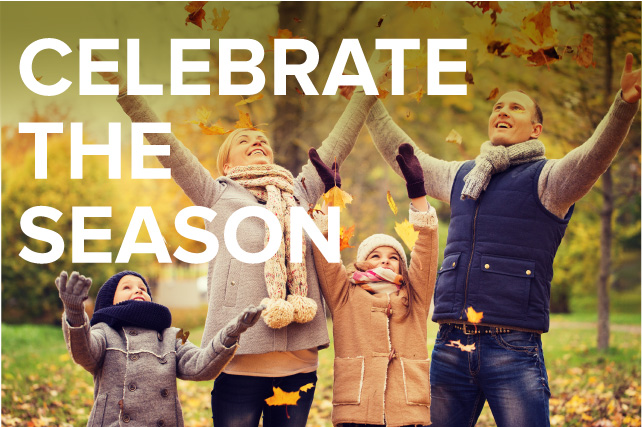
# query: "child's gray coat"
135, 371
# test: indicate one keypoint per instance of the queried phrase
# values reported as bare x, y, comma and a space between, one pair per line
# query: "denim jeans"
507, 370
239, 400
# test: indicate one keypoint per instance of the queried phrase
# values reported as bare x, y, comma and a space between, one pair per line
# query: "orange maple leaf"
418, 94
584, 55
391, 203
493, 94
337, 197
414, 5
407, 232
457, 344
245, 122
249, 100
473, 316
454, 137
345, 234
196, 13
216, 129
283, 34
218, 22
281, 397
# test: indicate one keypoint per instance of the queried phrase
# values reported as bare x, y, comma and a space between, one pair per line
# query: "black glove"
330, 177
412, 171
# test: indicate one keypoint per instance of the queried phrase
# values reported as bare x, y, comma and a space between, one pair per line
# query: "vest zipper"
470, 261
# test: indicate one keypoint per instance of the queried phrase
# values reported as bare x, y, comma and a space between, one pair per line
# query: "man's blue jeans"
506, 369
239, 400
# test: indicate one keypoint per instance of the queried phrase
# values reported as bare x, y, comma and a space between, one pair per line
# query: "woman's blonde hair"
224, 151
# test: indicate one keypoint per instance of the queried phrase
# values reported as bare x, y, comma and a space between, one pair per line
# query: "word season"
227, 66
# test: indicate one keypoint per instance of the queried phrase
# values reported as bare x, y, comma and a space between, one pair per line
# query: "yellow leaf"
454, 137
407, 232
283, 34
306, 387
219, 21
414, 5
473, 316
249, 100
391, 203
283, 397
203, 115
418, 94
182, 336
337, 197
216, 129
344, 238
416, 58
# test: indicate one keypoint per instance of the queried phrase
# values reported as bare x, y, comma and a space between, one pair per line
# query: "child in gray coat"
134, 354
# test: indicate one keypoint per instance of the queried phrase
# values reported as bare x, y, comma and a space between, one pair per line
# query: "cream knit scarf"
274, 185
493, 159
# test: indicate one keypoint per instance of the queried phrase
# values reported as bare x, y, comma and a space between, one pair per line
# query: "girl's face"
250, 147
131, 288
386, 257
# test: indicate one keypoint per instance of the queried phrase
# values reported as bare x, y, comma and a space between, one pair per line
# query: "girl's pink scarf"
378, 280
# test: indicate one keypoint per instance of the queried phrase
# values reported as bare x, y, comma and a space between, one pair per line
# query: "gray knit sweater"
562, 181
233, 284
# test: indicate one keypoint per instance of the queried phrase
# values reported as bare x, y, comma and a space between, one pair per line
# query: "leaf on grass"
454, 137
182, 336
584, 55
196, 13
391, 203
473, 316
414, 5
249, 100
493, 94
218, 22
345, 234
407, 232
418, 94
337, 197
281, 397
457, 344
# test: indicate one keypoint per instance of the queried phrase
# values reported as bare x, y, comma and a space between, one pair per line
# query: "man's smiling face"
513, 120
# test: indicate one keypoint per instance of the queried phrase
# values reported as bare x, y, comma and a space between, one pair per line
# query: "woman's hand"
73, 291
240, 324
630, 81
413, 173
111, 77
330, 177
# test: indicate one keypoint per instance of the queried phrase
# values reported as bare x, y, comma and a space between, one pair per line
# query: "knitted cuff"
427, 219
623, 110
416, 189
73, 303
75, 318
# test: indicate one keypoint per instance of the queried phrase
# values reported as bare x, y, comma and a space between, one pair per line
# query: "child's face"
131, 288
386, 257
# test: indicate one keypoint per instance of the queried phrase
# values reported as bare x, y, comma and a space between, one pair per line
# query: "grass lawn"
41, 386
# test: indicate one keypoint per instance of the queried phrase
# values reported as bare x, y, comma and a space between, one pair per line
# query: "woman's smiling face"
250, 147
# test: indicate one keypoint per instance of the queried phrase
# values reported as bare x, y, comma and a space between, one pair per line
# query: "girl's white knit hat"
376, 241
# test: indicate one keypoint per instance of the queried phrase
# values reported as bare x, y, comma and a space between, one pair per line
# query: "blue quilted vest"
500, 251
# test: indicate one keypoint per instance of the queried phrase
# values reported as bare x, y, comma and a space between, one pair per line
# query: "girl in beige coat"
379, 309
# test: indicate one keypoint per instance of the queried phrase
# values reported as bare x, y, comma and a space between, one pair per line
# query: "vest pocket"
416, 381
348, 380
505, 285
98, 411
446, 283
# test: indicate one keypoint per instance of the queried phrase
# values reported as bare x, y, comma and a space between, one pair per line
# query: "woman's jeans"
239, 400
507, 369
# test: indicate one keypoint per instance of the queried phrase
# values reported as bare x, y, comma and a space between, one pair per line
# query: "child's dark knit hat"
105, 297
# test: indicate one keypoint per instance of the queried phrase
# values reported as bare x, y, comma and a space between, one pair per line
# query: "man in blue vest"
509, 211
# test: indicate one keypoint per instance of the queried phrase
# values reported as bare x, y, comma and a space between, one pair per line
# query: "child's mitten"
412, 171
73, 292
329, 176
248, 317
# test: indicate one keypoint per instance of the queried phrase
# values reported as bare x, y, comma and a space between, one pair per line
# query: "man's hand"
630, 81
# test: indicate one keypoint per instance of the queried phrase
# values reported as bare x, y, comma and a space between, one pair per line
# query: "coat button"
132, 387
159, 336
233, 283
134, 357
453, 264
160, 423
487, 266
164, 392
528, 272
126, 418
133, 332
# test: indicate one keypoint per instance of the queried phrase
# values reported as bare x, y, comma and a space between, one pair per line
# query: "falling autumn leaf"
454, 137
457, 344
469, 78
485, 6
407, 232
281, 397
218, 22
414, 5
493, 94
245, 122
391, 203
382, 93
345, 234
473, 316
418, 94
380, 21
306, 387
215, 129
249, 100
584, 55
347, 91
182, 335
416, 58
283, 34
337, 197
196, 13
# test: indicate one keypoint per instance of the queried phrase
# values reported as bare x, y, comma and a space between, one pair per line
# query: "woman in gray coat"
134, 354
282, 350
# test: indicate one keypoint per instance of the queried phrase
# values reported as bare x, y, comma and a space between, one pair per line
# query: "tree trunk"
606, 214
